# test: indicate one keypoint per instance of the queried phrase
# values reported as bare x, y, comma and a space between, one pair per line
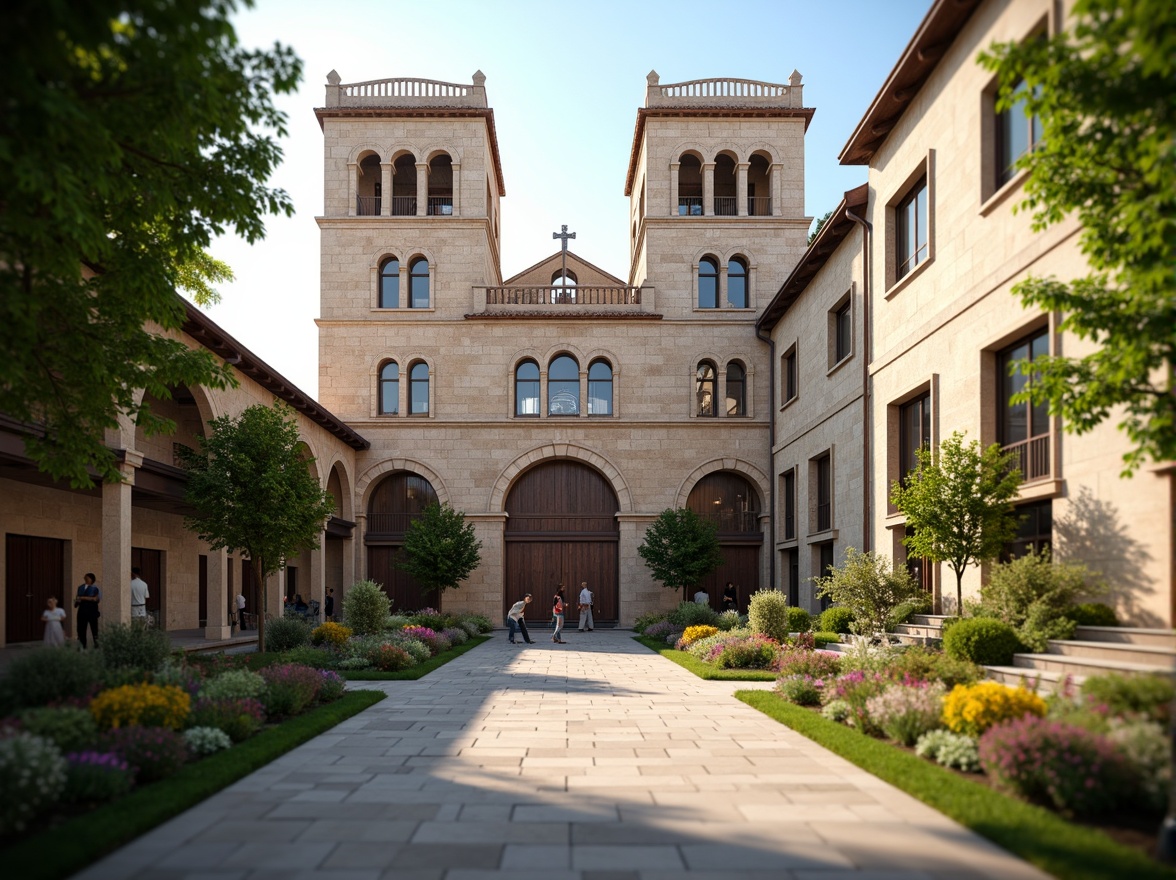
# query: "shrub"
906, 712
950, 750
870, 587
365, 607
46, 676
728, 620
1048, 762
319, 658
154, 752
861, 654
820, 639
1148, 695
201, 741
239, 717
144, 705
767, 614
70, 728
435, 642
354, 663
391, 658
1034, 596
982, 640
417, 650
821, 664
836, 619
397, 622
1148, 749
32, 778
234, 684
429, 617
1093, 614
645, 621
456, 635
693, 634
973, 709
904, 611
855, 689
753, 653
290, 688
799, 621
692, 614
475, 624
133, 645
332, 686
803, 690
178, 673
709, 647
660, 630
96, 777
286, 634
926, 664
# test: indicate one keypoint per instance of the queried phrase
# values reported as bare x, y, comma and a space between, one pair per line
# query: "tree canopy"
133, 133
1103, 92
252, 491
680, 548
958, 505
439, 549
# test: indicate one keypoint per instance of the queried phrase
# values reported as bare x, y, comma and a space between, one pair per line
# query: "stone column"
352, 172
385, 189
318, 573
275, 592
219, 598
674, 166
741, 189
777, 187
354, 559
708, 189
457, 191
117, 520
422, 171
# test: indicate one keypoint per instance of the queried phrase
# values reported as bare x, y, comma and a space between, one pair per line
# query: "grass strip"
418, 671
67, 848
705, 670
1038, 836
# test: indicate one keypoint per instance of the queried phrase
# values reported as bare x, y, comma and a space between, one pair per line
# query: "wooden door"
404, 592
150, 563
202, 591
34, 571
740, 567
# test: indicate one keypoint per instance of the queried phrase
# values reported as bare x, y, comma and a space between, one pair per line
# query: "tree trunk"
262, 601
959, 573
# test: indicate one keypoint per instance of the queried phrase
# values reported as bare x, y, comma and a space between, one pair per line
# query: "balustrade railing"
403, 206
725, 91
744, 522
546, 295
388, 523
440, 206
367, 206
725, 206
1032, 457
759, 206
690, 206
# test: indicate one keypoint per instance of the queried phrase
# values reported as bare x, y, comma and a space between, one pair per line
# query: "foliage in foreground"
869, 587
440, 549
680, 548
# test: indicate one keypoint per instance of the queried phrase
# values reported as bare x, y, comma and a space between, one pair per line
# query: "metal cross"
564, 236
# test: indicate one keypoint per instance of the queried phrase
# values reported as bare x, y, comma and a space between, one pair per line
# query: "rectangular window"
842, 333
1024, 428
788, 374
911, 226
824, 563
1035, 531
792, 567
789, 492
823, 468
1016, 135
914, 433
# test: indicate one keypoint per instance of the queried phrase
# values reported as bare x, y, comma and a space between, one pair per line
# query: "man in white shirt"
702, 597
514, 619
585, 607
139, 596
240, 602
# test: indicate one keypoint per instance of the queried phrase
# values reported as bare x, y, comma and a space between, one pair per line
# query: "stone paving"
594, 760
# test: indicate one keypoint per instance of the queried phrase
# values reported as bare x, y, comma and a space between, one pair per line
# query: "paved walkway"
594, 760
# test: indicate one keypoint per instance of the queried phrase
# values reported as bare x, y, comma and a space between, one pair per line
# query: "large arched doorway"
732, 504
562, 526
396, 501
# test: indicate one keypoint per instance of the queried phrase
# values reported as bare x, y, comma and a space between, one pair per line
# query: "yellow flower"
972, 709
148, 705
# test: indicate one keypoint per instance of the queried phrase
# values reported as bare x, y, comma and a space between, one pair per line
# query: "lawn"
705, 670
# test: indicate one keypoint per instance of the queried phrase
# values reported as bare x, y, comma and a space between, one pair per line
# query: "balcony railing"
725, 206
367, 206
1032, 457
539, 296
388, 523
403, 206
759, 206
440, 206
744, 522
689, 206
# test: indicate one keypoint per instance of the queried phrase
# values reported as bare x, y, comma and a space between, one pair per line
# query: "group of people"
516, 621
730, 597
86, 602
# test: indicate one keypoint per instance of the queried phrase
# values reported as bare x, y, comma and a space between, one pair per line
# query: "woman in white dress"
54, 634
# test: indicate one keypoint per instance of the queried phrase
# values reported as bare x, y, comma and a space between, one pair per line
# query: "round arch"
754, 475
554, 451
369, 478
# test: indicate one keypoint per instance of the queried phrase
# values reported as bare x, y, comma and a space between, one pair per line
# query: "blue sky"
565, 81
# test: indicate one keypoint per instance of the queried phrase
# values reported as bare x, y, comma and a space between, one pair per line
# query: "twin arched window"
418, 389
563, 388
706, 389
390, 389
709, 293
418, 284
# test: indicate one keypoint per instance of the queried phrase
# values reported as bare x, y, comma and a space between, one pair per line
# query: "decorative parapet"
724, 92
562, 302
406, 92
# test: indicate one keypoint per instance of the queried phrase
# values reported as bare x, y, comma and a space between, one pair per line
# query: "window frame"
381, 383
415, 381
822, 492
921, 178
382, 276
745, 275
741, 384
789, 376
601, 362
699, 382
538, 397
699, 275
563, 386
789, 531
908, 251
414, 278
906, 456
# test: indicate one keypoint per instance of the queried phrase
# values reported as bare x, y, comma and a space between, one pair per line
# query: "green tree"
133, 133
252, 491
1103, 92
958, 505
870, 587
819, 224
440, 549
681, 548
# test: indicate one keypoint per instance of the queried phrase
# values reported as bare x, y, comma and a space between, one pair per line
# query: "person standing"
139, 596
557, 612
585, 607
240, 611
702, 597
514, 620
86, 602
54, 634
329, 607
730, 598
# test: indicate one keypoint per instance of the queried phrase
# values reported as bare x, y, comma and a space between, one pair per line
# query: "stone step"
929, 619
921, 630
1160, 638
1076, 665
1043, 681
1147, 655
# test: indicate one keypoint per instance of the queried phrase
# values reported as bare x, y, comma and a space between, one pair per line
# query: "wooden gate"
150, 563
562, 526
34, 571
397, 500
405, 593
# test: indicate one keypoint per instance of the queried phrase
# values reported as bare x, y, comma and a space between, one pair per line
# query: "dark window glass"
843, 327
418, 284
1016, 135
600, 389
1024, 428
689, 187
418, 389
825, 563
1034, 532
390, 389
527, 389
563, 387
704, 389
911, 223
708, 284
793, 562
788, 380
736, 390
390, 284
914, 433
737, 284
824, 494
790, 505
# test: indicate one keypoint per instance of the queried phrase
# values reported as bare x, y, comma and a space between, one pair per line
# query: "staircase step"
919, 629
1047, 681
1087, 665
1148, 655
1161, 638
929, 619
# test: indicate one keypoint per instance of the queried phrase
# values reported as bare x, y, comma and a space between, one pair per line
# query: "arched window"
563, 286
600, 389
708, 283
441, 186
527, 389
390, 389
390, 284
736, 389
725, 201
689, 186
368, 187
418, 389
563, 387
418, 284
404, 187
737, 284
759, 186
705, 389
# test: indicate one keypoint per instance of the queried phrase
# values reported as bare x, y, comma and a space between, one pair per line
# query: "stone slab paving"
594, 760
